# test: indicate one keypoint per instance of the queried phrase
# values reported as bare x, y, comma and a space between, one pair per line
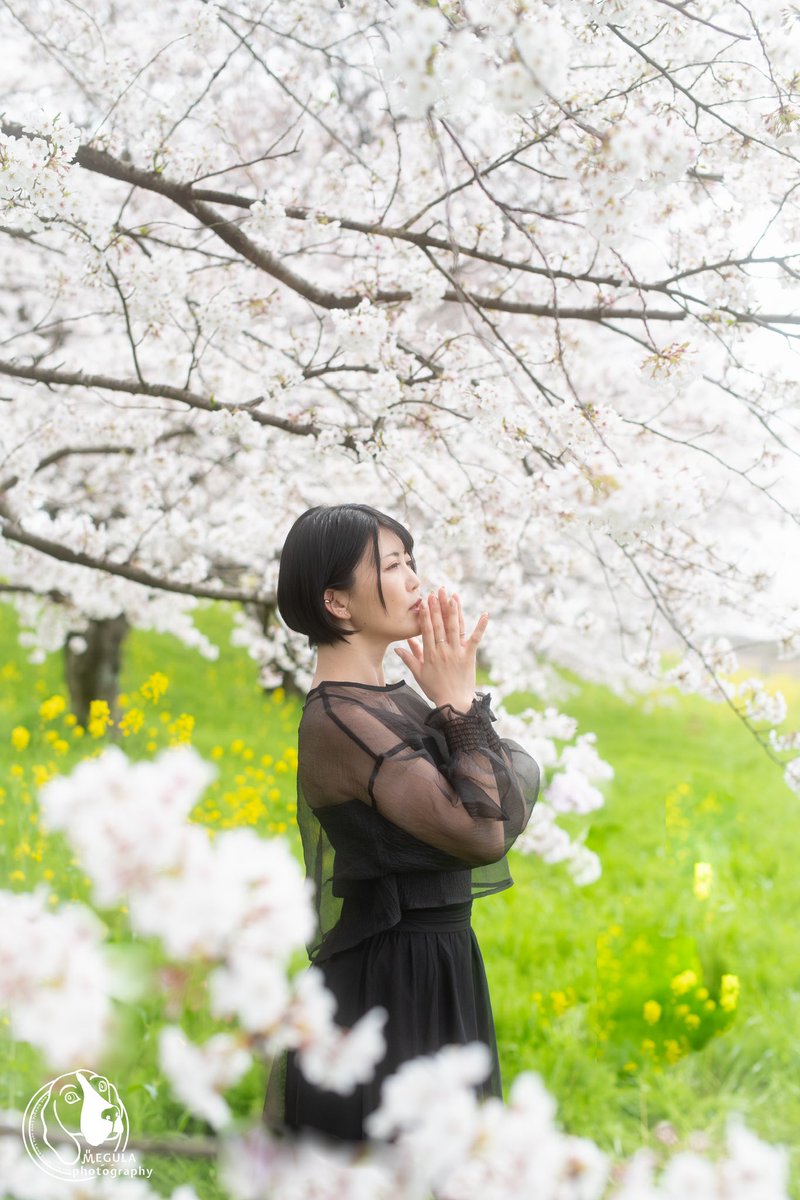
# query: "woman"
406, 808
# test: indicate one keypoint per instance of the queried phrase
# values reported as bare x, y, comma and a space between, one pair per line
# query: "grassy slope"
542, 941
542, 935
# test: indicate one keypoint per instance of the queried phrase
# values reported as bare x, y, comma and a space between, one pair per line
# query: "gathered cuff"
467, 731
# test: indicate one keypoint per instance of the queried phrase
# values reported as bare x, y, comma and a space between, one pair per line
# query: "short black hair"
322, 550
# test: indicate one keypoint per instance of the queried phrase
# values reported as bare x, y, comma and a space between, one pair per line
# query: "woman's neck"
353, 666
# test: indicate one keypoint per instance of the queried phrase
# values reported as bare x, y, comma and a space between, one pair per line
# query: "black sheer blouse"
402, 806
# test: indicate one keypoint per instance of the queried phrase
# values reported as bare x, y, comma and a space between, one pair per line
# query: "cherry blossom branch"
698, 104
138, 387
183, 195
199, 1147
14, 532
663, 607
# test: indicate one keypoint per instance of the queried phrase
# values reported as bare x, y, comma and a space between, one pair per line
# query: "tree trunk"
94, 673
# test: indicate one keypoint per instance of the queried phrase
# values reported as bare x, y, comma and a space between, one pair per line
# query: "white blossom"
55, 983
199, 1073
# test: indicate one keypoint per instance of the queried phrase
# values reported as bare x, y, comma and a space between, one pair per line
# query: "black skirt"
428, 973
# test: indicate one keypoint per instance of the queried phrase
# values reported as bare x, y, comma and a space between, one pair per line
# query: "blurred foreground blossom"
55, 983
430, 1134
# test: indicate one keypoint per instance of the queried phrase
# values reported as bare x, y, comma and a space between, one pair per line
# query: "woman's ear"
335, 606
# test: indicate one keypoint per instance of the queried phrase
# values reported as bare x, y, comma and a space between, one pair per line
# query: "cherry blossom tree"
519, 273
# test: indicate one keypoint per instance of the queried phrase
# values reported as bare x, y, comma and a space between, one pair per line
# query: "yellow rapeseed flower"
181, 728
132, 722
60, 746
692, 1020
702, 880
630, 1066
154, 687
652, 1011
237, 746
52, 708
20, 737
672, 1050
559, 999
682, 982
729, 992
99, 718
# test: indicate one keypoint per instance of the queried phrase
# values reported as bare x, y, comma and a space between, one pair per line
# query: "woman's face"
401, 589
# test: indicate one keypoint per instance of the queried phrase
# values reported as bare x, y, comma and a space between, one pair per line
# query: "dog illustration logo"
76, 1125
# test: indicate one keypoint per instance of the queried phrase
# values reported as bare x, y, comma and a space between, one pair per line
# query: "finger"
436, 622
460, 616
416, 649
426, 629
455, 625
447, 616
480, 627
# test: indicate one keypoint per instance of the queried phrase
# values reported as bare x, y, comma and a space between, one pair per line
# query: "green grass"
569, 967
542, 936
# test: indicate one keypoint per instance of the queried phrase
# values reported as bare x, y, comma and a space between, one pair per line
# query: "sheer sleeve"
447, 780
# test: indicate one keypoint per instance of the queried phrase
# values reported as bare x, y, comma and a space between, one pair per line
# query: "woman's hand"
444, 666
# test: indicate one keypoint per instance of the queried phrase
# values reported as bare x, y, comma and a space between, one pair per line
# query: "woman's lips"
415, 607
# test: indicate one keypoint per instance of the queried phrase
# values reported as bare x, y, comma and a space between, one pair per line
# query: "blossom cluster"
238, 902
